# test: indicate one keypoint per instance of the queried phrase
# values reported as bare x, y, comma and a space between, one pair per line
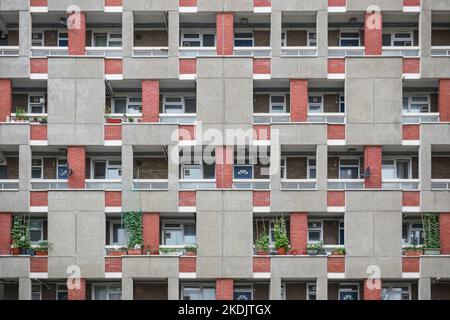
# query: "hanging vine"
133, 224
431, 230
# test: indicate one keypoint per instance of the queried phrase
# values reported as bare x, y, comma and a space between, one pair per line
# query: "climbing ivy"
20, 234
431, 230
133, 224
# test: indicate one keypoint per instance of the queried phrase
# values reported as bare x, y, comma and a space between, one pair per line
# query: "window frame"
341, 38
391, 286
200, 286
235, 38
244, 288
309, 167
108, 38
41, 166
320, 229
35, 41
40, 96
200, 34
320, 104
309, 39
394, 38
396, 160
63, 38
58, 290
41, 229
410, 229
33, 286
349, 166
108, 166
113, 222
182, 227
341, 103
311, 290
343, 289
411, 102
108, 286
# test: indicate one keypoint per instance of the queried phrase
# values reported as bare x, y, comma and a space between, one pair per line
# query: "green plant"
20, 233
430, 223
340, 251
191, 248
130, 120
21, 114
312, 246
168, 250
262, 244
280, 234
42, 246
108, 110
133, 224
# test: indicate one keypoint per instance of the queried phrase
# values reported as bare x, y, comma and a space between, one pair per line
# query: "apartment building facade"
107, 107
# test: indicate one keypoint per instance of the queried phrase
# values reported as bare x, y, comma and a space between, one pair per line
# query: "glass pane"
405, 103
62, 172
208, 40
388, 172
37, 108
279, 99
99, 170
349, 43
402, 170
243, 43
189, 234
314, 235
100, 40
386, 40
312, 173
209, 294
2, 172
209, 171
114, 173
348, 173
174, 108
120, 106
173, 237
100, 293
36, 173
190, 105
190, 293
35, 235
192, 173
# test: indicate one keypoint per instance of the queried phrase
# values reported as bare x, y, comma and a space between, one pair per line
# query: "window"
277, 104
63, 39
107, 169
395, 292
36, 231
243, 171
342, 104
36, 292
120, 105
283, 168
62, 172
396, 169
117, 233
341, 233
131, 105
402, 39
311, 291
36, 169
115, 40
61, 292
315, 104
349, 39
243, 292
36, 104
243, 39
190, 105
100, 39
412, 231
181, 233
283, 39
198, 292
107, 40
349, 292
198, 40
416, 104
312, 39
107, 292
37, 39
134, 105
173, 105
311, 168
349, 169
198, 171
3, 173
314, 231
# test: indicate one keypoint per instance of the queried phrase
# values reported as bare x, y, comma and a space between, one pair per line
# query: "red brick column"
444, 100
373, 31
150, 231
299, 100
150, 100
224, 166
224, 289
299, 231
77, 294
444, 227
5, 99
5, 232
372, 159
370, 293
76, 24
76, 158
225, 33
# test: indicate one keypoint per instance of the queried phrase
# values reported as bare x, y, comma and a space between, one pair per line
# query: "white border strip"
113, 275
113, 143
38, 143
411, 9
335, 209
336, 76
39, 76
113, 9
262, 76
187, 76
113, 77
38, 9
113, 209
38, 209
187, 275
410, 209
261, 209
410, 275
262, 9
188, 10
335, 275
187, 209
336, 142
411, 142
337, 9
39, 275
261, 275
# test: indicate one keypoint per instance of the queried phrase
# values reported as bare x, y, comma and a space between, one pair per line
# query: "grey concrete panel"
25, 33
209, 200
424, 289
435, 266
435, 134
218, 68
373, 201
361, 267
238, 100
76, 200
173, 288
373, 67
209, 266
210, 107
150, 68
174, 33
275, 288
322, 33
435, 201
301, 134
435, 67
150, 5
61, 234
127, 33
75, 134
24, 167
90, 102
373, 134
425, 21
225, 5
304, 201
237, 201
14, 133
322, 288
275, 32
84, 5
146, 134
25, 288
61, 100
384, 5
14, 201
14, 67
150, 201
76, 68
435, 5
299, 68
237, 240
14, 267
127, 288
14, 5
300, 5
155, 267
209, 234
298, 266
237, 267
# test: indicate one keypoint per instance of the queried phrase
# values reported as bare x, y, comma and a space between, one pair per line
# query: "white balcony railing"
401, 51
258, 52
332, 117
400, 184
256, 184
150, 52
414, 118
9, 51
47, 184
178, 118
440, 184
27, 117
108, 52
298, 184
104, 184
440, 51
9, 184
268, 118
201, 184
340, 52
345, 184
299, 51
193, 52
153, 184
49, 51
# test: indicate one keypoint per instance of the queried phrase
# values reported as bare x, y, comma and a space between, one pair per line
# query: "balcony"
345, 184
193, 52
323, 117
401, 51
49, 184
299, 184
401, 184
103, 184
9, 51
251, 184
269, 118
422, 117
107, 52
256, 52
43, 52
150, 169
298, 52
197, 184
178, 118
150, 184
9, 185
440, 51
342, 52
150, 52
440, 184
150, 34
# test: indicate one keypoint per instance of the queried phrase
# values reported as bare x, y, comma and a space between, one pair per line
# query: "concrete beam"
275, 288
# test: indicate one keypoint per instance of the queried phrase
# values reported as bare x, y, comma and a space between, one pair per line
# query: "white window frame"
309, 167
350, 166
411, 229
182, 224
63, 38
113, 222
59, 290
108, 38
341, 103
391, 286
309, 39
310, 291
315, 229
41, 166
341, 289
41, 229
33, 286
341, 227
348, 38
315, 103
395, 160
108, 289
394, 38
39, 95
241, 38
199, 39
200, 286
128, 103
108, 166
248, 288
60, 165
185, 166
411, 102
312, 40
284, 167
166, 103
271, 104
37, 42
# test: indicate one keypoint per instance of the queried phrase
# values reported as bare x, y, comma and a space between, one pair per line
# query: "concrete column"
174, 33
127, 33
444, 100
24, 167
127, 167
76, 158
173, 167
322, 33
275, 156
5, 99
425, 166
275, 33
24, 33
444, 226
173, 286
76, 24
150, 100
299, 231
372, 159
127, 288
224, 166
225, 33
150, 231
424, 289
425, 21
5, 233
275, 289
2, 291
322, 288
322, 167
373, 31
299, 100
224, 289
24, 289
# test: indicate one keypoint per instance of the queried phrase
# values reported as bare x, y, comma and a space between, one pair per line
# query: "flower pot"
109, 120
413, 253
312, 252
281, 251
134, 252
432, 251
42, 253
15, 251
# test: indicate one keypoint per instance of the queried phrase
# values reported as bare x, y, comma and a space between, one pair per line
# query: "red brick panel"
224, 289
261, 264
411, 3
113, 3
262, 3
410, 264
188, 3
186, 132
76, 158
188, 66
187, 199
336, 131
411, 198
225, 33
444, 100
150, 100
113, 199
372, 159
336, 264
38, 132
336, 199
336, 3
261, 132
411, 65
299, 231
444, 226
411, 132
76, 23
38, 199
113, 66
38, 3
113, 132
113, 264
336, 65
262, 66
39, 65
77, 293
224, 166
261, 198
188, 264
5, 99
299, 100
372, 289
5, 232
373, 33
150, 230
38, 264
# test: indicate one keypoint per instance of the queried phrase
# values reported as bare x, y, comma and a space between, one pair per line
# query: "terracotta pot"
413, 253
281, 251
41, 253
116, 253
15, 251
134, 252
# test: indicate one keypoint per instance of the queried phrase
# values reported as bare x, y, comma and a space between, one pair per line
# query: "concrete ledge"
299, 266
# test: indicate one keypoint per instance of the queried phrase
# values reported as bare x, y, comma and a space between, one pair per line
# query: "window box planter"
262, 253
338, 252
190, 254
134, 252
42, 253
312, 252
170, 253
432, 251
111, 120
117, 253
413, 252
16, 251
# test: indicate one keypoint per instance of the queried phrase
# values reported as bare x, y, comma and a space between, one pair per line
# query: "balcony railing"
150, 184
9, 51
106, 184
150, 52
28, 117
258, 52
47, 184
201, 184
345, 184
440, 184
108, 52
440, 51
400, 184
340, 52
299, 51
256, 184
298, 184
9, 184
268, 118
331, 117
414, 118
193, 52
49, 51
178, 118
401, 51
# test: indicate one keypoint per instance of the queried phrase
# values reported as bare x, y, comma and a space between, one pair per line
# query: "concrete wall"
85, 5
12, 5
14, 134
384, 5
301, 134
435, 266
297, 267
225, 5
147, 5
153, 267
14, 267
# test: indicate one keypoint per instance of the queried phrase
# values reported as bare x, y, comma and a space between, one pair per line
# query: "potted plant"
338, 252
191, 250
169, 251
280, 236
20, 237
117, 252
42, 249
15, 249
432, 245
21, 114
133, 224
262, 244
412, 250
312, 249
